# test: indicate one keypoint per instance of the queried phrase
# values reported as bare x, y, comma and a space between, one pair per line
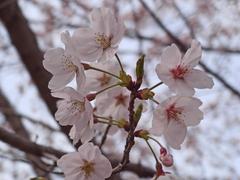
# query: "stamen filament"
119, 61
156, 85
109, 87
101, 70
152, 99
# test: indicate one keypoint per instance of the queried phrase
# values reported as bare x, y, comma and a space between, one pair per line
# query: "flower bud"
145, 94
122, 123
86, 66
166, 158
126, 79
91, 97
142, 134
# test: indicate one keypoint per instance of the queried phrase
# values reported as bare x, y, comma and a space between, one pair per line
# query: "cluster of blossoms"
106, 94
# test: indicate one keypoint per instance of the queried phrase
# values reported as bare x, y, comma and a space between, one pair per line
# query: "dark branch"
184, 48
26, 45
27, 146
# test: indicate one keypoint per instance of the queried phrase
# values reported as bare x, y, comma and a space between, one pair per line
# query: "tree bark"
26, 45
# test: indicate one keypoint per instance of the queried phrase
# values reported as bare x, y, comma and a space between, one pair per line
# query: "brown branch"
130, 138
40, 150
104, 137
18, 127
184, 48
184, 18
26, 45
135, 34
28, 146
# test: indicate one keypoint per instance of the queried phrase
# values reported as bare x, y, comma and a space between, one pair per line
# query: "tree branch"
40, 150
18, 127
28, 146
184, 48
26, 45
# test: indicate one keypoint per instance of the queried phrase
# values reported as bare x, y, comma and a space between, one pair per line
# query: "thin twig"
184, 48
119, 61
104, 136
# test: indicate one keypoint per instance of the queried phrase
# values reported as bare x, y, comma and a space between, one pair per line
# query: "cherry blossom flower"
114, 103
172, 117
178, 73
84, 134
101, 40
75, 110
63, 65
86, 164
96, 81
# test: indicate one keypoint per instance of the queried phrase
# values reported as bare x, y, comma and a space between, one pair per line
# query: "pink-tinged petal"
68, 93
84, 148
175, 133
193, 118
193, 54
182, 88
95, 177
199, 79
97, 20
188, 103
108, 54
58, 81
91, 153
83, 36
69, 163
109, 21
159, 123
82, 132
162, 70
67, 40
171, 56
78, 176
87, 134
80, 77
92, 56
64, 119
118, 32
52, 60
103, 167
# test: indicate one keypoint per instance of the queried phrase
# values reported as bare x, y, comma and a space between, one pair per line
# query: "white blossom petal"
60, 80
193, 55
199, 79
159, 123
175, 134
182, 88
171, 56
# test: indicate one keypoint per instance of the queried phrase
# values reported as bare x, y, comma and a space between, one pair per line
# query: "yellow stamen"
103, 40
87, 168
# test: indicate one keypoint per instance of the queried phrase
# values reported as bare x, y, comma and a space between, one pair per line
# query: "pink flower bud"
167, 160
163, 151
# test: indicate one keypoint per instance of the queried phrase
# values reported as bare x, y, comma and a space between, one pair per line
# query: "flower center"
87, 168
103, 40
68, 65
179, 72
104, 80
174, 112
78, 106
121, 100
